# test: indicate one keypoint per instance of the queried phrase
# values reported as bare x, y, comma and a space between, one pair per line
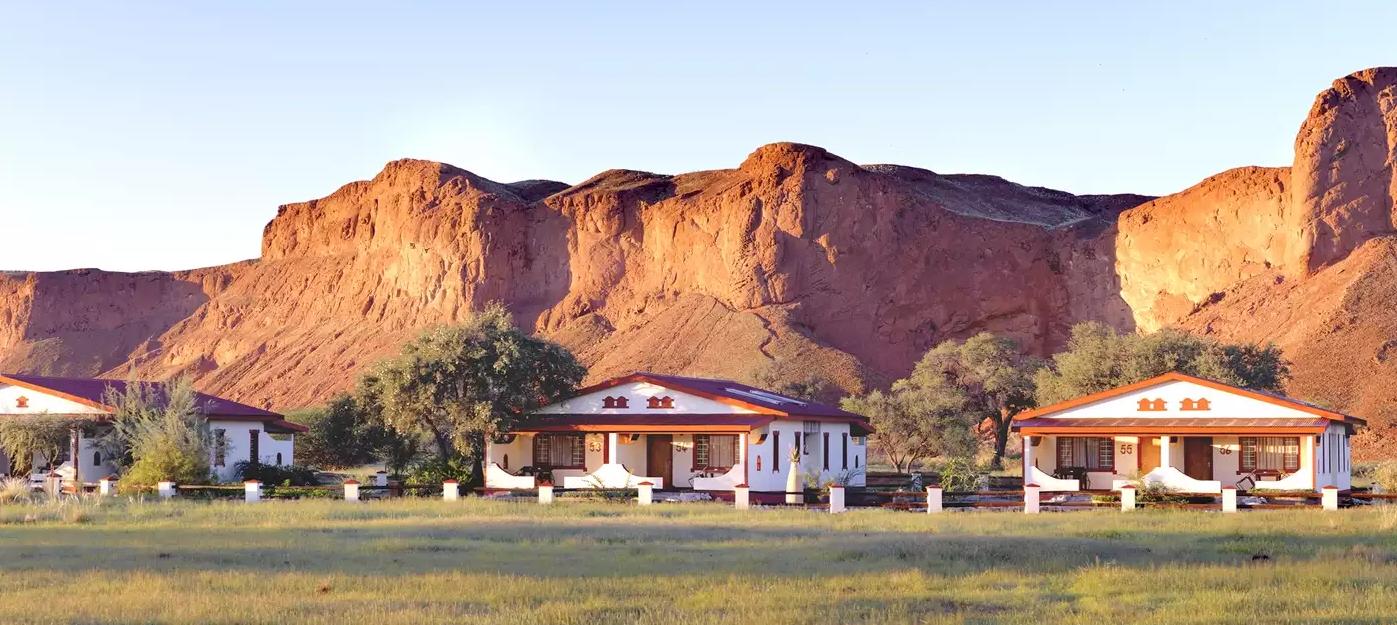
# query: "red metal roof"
757, 398
1204, 422
92, 391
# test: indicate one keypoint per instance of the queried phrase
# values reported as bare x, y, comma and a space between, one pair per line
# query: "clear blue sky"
164, 135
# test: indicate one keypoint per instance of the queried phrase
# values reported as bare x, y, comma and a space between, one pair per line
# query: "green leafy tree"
912, 426
456, 385
158, 432
803, 386
341, 434
986, 375
1098, 358
22, 438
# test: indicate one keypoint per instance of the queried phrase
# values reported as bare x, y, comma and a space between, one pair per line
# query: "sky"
163, 135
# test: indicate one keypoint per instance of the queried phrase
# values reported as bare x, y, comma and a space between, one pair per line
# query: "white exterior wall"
773, 478
1221, 404
1334, 458
39, 403
238, 446
637, 393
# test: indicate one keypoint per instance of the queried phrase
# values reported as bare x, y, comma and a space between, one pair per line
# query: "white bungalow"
680, 433
1187, 434
240, 432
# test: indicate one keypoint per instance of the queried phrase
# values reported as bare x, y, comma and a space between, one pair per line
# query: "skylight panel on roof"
765, 397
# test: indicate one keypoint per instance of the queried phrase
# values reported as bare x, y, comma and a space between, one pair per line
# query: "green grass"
475, 561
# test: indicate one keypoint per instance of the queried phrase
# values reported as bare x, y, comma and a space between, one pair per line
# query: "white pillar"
252, 491
1164, 452
645, 493
836, 499
166, 489
1127, 498
450, 490
54, 484
613, 448
1329, 497
1030, 499
742, 454
1229, 498
545, 493
106, 487
742, 497
351, 490
381, 478
933, 499
1028, 457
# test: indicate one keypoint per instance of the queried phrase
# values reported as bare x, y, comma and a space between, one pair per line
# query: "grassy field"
475, 561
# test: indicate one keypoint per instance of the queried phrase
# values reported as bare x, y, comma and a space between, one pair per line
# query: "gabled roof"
730, 392
92, 392
1175, 376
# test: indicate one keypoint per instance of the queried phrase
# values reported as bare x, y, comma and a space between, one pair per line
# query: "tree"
987, 375
456, 385
23, 438
912, 425
806, 387
341, 434
1098, 358
158, 432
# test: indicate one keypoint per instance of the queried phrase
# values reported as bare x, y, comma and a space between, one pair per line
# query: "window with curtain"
715, 451
1270, 453
560, 451
1086, 452
220, 447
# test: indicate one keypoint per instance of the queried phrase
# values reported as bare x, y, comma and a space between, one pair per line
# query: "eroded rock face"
1344, 184
796, 259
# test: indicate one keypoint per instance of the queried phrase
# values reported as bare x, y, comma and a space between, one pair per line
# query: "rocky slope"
796, 260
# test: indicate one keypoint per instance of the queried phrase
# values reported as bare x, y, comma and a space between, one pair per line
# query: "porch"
1190, 462
669, 460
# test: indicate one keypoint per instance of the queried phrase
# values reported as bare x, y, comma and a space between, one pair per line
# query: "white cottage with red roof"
240, 432
680, 433
1186, 434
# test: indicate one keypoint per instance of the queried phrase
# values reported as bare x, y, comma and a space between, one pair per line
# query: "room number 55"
1127, 449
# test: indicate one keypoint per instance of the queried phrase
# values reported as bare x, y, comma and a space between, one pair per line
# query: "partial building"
240, 432
1186, 434
681, 433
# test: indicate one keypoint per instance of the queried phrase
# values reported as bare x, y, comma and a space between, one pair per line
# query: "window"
844, 455
1270, 453
811, 429
713, 451
278, 458
1086, 452
560, 451
220, 448
254, 447
96, 458
777, 454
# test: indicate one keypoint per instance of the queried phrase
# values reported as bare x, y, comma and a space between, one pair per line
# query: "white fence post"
836, 499
645, 493
381, 479
166, 489
933, 499
1127, 498
742, 497
1229, 499
450, 490
1329, 497
351, 490
105, 487
545, 493
252, 491
1030, 499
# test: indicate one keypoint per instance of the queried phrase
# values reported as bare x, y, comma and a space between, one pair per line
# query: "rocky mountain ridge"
796, 260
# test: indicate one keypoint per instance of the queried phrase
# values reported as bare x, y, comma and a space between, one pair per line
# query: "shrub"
958, 475
274, 475
14, 489
164, 459
434, 470
157, 433
1385, 475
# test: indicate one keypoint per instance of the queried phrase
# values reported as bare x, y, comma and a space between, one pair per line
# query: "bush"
435, 471
958, 475
163, 459
1385, 475
273, 475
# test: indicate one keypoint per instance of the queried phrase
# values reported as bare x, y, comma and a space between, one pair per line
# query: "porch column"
613, 445
1164, 452
75, 452
1027, 457
742, 455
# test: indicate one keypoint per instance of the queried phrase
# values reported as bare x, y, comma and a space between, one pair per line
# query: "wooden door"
1198, 457
1149, 454
659, 458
